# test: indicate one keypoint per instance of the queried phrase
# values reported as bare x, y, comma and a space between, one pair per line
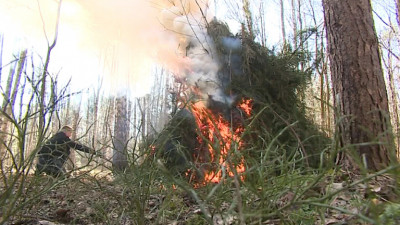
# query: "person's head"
67, 130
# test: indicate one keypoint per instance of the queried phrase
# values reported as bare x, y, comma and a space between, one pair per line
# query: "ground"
103, 199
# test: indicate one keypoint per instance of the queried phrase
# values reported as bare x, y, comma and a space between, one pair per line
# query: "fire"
219, 137
245, 105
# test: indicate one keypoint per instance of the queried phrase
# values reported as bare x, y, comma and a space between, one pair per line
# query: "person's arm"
82, 148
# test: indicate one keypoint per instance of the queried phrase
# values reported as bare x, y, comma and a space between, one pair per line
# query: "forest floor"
95, 199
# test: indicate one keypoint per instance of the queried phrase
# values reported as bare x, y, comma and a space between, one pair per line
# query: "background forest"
237, 123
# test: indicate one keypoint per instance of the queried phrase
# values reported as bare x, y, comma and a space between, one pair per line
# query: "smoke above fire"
122, 39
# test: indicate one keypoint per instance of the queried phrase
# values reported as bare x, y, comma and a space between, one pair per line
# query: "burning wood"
201, 143
204, 138
219, 138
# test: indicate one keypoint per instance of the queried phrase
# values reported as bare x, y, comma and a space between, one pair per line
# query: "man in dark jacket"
53, 155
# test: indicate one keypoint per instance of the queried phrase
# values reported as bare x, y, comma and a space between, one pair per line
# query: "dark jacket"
54, 154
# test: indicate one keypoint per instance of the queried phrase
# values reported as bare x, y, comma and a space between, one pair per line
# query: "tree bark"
75, 123
143, 123
13, 84
389, 64
107, 129
120, 161
358, 83
283, 22
294, 24
95, 119
135, 123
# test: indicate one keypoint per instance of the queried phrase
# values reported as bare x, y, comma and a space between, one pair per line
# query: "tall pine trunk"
359, 88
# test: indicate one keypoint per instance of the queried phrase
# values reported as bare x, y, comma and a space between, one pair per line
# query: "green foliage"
391, 214
138, 183
176, 142
276, 84
149, 193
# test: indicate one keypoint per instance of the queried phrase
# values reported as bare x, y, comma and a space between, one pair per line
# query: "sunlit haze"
118, 39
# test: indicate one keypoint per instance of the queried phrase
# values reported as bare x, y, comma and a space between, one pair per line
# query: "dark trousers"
50, 167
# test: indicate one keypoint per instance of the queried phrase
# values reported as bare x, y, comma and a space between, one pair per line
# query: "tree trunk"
143, 119
13, 84
87, 138
1, 54
75, 123
294, 24
42, 91
95, 119
398, 12
283, 22
389, 63
262, 28
67, 112
395, 111
135, 123
248, 17
164, 103
358, 82
120, 161
6, 98
107, 128
149, 111
129, 115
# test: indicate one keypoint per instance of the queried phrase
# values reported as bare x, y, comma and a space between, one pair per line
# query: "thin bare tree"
283, 28
50, 47
9, 98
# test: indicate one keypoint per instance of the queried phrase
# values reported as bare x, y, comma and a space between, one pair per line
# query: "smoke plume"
122, 39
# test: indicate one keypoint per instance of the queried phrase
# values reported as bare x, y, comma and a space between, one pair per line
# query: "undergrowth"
274, 191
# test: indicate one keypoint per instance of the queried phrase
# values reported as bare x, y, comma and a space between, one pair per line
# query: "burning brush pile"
245, 95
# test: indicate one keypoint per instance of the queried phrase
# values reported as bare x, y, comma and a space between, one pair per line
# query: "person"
53, 155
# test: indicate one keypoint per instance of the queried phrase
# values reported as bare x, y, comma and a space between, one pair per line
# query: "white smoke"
122, 39
197, 47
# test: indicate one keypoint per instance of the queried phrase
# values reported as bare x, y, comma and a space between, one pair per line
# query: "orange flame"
221, 137
246, 106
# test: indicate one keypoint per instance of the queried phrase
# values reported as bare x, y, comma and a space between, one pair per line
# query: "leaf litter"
87, 200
